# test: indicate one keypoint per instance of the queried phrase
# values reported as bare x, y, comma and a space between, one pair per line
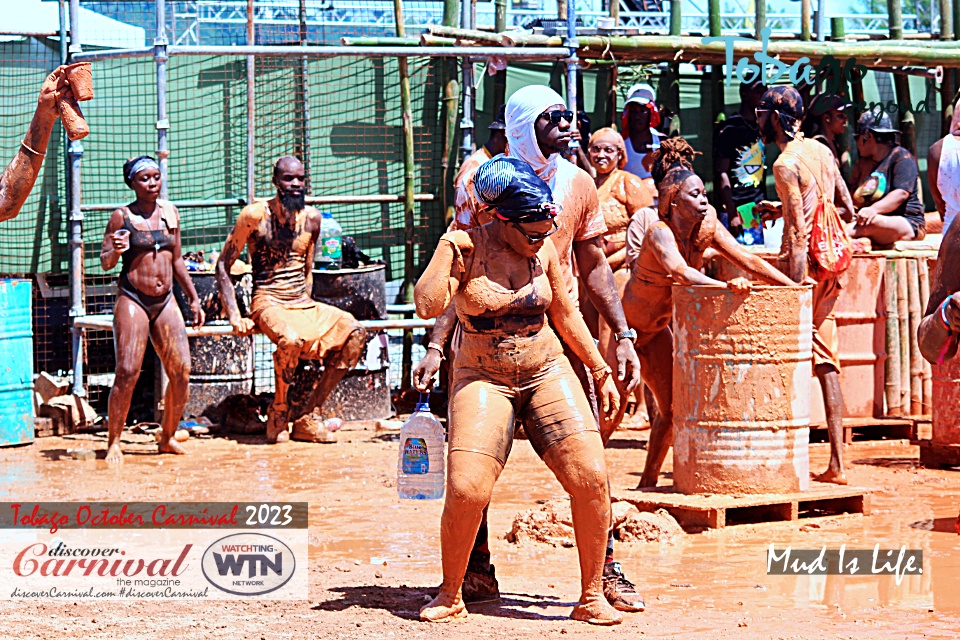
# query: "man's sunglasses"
533, 239
556, 116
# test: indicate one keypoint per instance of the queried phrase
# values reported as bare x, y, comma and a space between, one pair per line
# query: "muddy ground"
706, 585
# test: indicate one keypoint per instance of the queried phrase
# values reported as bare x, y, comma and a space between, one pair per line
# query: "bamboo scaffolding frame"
924, 272
916, 360
903, 314
892, 363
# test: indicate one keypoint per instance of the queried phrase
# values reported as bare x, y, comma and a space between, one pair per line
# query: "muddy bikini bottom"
152, 305
492, 390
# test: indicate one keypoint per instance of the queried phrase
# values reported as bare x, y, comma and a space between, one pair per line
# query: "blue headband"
141, 165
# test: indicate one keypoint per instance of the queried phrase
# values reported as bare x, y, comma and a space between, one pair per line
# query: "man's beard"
292, 203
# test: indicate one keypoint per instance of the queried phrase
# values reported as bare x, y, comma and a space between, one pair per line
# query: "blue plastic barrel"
16, 362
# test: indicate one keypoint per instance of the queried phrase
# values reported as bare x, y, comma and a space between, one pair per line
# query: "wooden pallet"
698, 512
937, 456
876, 428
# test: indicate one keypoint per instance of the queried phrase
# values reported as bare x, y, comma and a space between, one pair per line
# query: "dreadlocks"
673, 153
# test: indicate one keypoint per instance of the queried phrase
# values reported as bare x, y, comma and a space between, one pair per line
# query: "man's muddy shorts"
492, 389
321, 327
826, 340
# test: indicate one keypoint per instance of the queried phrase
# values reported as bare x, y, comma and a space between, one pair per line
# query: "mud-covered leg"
169, 337
285, 360
656, 366
470, 481
335, 366
131, 328
578, 463
833, 407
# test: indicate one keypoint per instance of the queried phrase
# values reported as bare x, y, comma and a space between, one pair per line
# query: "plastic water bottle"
329, 253
420, 473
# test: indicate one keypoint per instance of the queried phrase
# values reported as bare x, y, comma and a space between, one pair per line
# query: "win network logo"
248, 564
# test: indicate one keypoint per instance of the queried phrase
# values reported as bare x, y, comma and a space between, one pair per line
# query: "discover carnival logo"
248, 564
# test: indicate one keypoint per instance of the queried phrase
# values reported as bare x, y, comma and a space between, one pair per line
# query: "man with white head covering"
538, 131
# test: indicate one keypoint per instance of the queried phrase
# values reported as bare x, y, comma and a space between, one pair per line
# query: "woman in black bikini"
146, 235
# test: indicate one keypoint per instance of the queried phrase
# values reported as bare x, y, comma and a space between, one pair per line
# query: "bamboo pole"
806, 19
892, 363
251, 105
676, 16
759, 18
903, 314
615, 12
451, 106
927, 403
692, 49
916, 360
408, 194
465, 35
902, 84
837, 30
713, 15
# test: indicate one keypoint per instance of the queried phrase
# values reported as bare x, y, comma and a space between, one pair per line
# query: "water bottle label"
416, 460
330, 248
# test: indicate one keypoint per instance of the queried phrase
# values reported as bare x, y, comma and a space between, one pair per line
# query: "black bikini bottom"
152, 305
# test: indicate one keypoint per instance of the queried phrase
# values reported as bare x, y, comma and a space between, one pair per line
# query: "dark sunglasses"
556, 116
533, 239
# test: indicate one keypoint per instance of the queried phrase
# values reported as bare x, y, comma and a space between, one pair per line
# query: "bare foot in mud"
114, 454
444, 608
597, 611
171, 446
831, 476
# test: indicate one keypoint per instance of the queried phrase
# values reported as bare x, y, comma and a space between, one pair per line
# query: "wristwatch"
629, 333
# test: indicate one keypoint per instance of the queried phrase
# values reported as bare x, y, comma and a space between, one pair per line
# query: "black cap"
827, 102
877, 121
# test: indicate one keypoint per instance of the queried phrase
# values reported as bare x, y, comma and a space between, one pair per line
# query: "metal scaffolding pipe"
531, 53
241, 202
466, 123
251, 105
571, 44
75, 153
163, 124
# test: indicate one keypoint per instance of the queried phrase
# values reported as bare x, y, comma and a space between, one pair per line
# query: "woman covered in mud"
673, 252
505, 279
145, 235
621, 194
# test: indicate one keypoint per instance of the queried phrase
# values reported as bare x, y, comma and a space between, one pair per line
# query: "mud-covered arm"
236, 241
841, 195
109, 257
601, 287
617, 258
441, 279
730, 249
311, 252
664, 246
566, 318
788, 188
933, 170
18, 178
933, 335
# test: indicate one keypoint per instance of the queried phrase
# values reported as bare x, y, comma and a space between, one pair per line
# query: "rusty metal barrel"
220, 366
364, 393
946, 402
741, 389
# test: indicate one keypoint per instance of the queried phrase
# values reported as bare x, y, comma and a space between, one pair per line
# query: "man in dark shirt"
739, 158
885, 179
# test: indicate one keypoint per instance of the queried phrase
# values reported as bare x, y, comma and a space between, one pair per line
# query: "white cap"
641, 93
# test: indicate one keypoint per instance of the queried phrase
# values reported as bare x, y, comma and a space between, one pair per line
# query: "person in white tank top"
943, 171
